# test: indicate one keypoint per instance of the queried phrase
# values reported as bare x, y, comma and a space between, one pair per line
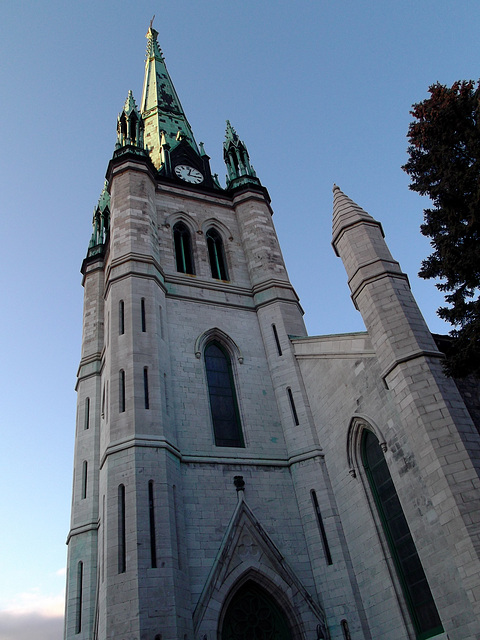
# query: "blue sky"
319, 91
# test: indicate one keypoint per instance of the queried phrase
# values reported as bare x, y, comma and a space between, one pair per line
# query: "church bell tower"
195, 455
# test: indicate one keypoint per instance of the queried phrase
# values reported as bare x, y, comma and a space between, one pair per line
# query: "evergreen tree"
444, 164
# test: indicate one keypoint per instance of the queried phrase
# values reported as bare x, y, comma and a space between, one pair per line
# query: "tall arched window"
253, 613
410, 572
216, 255
223, 399
183, 248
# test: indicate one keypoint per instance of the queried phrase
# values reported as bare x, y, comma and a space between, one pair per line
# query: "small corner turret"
130, 128
100, 223
235, 155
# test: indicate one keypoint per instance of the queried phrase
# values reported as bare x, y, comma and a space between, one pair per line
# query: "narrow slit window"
177, 533
86, 422
144, 319
277, 341
151, 516
321, 526
409, 568
160, 312
292, 405
122, 556
216, 255
223, 399
78, 617
84, 479
121, 317
165, 394
103, 401
183, 248
103, 539
121, 391
145, 388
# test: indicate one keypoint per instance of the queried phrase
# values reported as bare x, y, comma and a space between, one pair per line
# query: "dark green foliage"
444, 164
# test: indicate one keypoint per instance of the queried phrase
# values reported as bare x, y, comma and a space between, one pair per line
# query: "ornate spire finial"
151, 21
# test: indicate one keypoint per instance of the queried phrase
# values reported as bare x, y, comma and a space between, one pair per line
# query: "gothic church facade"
235, 478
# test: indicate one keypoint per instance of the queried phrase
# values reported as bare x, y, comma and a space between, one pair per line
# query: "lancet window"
183, 248
223, 398
216, 255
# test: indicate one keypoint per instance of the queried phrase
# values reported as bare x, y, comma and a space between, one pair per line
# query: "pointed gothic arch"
251, 612
247, 553
217, 334
355, 429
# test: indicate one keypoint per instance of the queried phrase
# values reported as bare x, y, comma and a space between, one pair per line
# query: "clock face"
189, 174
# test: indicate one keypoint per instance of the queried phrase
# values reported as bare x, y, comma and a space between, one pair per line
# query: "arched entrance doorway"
253, 614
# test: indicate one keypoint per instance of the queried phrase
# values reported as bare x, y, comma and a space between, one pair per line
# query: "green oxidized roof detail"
130, 105
130, 128
235, 154
104, 200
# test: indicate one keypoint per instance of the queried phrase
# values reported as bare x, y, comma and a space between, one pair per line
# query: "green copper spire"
161, 108
235, 154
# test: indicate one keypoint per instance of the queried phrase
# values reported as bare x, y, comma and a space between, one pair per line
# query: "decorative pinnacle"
130, 104
104, 199
230, 133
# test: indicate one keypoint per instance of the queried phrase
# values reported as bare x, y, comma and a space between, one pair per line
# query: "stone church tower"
234, 478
